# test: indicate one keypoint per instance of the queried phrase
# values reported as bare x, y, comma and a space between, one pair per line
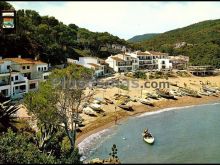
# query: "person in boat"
146, 133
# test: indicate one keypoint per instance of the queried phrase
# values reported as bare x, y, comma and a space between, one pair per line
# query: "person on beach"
116, 118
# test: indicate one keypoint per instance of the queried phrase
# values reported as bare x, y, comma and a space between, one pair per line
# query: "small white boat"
148, 139
95, 106
88, 111
97, 102
146, 101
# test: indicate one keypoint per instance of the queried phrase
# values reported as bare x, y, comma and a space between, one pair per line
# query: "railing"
19, 82
4, 83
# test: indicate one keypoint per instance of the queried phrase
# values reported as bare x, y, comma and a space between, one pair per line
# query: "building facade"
122, 63
19, 75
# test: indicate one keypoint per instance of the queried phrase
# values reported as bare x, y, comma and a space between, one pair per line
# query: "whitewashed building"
122, 63
151, 60
20, 75
99, 66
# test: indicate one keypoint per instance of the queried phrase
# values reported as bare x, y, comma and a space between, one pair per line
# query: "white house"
12, 83
20, 75
151, 60
95, 63
122, 63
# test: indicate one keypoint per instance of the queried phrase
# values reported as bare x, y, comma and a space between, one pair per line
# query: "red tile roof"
117, 59
157, 53
25, 61
95, 65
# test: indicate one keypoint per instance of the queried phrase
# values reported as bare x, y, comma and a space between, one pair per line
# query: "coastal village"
115, 80
113, 98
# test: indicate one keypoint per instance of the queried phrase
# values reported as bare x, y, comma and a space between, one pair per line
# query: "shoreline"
108, 121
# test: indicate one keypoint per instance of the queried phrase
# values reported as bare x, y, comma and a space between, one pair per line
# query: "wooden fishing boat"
165, 94
148, 138
126, 107
146, 102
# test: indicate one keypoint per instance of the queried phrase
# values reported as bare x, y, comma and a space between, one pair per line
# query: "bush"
19, 149
139, 74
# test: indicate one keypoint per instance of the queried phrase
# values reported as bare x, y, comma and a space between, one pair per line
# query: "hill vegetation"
53, 41
199, 41
142, 37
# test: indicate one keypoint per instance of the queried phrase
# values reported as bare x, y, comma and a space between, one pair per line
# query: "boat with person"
148, 137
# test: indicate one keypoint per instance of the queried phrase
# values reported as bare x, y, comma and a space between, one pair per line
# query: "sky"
126, 19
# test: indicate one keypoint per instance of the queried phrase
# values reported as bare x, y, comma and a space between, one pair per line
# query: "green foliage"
53, 41
5, 5
19, 149
142, 37
202, 42
122, 86
139, 74
42, 103
7, 115
114, 153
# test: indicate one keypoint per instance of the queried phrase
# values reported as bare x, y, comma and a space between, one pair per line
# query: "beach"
101, 122
96, 124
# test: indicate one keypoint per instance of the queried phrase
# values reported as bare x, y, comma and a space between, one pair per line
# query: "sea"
188, 134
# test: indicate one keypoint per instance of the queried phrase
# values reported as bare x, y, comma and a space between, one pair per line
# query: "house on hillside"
100, 67
179, 62
20, 75
122, 63
151, 60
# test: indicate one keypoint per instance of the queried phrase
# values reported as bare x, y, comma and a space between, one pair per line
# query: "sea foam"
173, 108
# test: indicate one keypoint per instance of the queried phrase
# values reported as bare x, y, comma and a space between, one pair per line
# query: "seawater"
190, 134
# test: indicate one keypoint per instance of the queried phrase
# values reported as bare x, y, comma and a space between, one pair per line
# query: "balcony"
3, 83
19, 82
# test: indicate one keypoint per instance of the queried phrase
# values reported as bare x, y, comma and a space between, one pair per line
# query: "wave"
86, 145
173, 108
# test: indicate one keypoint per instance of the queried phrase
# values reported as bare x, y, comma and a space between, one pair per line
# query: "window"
32, 86
39, 69
45, 68
28, 67
16, 88
16, 77
45, 77
12, 78
23, 87
23, 67
163, 62
8, 66
42, 68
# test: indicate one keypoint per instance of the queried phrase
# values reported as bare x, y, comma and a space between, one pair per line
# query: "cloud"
126, 19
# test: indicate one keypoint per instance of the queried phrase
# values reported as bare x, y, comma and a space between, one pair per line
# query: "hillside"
142, 37
53, 41
199, 41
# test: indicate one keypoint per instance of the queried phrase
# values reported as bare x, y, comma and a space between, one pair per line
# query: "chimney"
35, 58
19, 56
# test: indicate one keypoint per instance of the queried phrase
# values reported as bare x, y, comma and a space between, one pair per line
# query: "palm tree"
7, 115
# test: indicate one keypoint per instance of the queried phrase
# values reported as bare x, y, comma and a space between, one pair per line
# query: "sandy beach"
100, 122
96, 124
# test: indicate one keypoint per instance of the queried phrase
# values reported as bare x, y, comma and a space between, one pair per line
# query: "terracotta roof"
143, 53
25, 61
95, 65
1, 61
157, 53
117, 59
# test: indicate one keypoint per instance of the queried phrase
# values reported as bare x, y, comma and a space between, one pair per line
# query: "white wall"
3, 67
86, 60
167, 64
